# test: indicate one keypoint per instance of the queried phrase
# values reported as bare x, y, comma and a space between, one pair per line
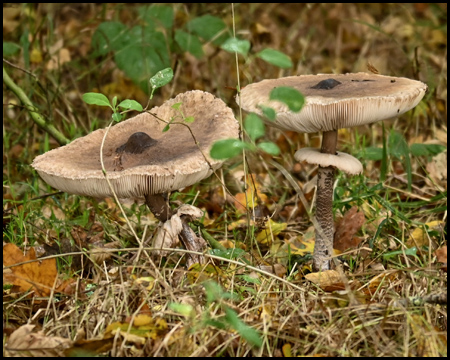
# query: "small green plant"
397, 148
215, 298
255, 128
160, 79
186, 119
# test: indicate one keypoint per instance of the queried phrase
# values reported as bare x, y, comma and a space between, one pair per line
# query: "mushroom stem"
324, 207
159, 206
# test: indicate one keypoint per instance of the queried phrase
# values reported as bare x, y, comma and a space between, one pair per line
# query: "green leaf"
161, 78
225, 149
166, 128
245, 331
254, 126
411, 252
189, 43
213, 291
176, 106
182, 309
250, 279
288, 95
426, 149
131, 105
145, 54
215, 323
371, 153
269, 147
96, 99
210, 28
117, 117
268, 112
398, 147
10, 48
234, 253
235, 45
158, 15
109, 36
276, 58
189, 119
114, 102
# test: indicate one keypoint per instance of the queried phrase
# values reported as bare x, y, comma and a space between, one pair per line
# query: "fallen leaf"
60, 58
326, 279
25, 343
137, 334
346, 228
277, 269
167, 234
37, 275
199, 273
437, 170
252, 196
426, 345
271, 230
420, 238
441, 255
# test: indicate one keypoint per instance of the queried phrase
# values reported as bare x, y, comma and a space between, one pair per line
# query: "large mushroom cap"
336, 101
165, 161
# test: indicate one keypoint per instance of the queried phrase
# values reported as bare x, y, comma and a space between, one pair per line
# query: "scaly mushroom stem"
324, 207
159, 206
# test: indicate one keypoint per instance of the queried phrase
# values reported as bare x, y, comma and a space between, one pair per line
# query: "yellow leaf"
142, 320
419, 238
36, 56
147, 282
199, 273
426, 343
271, 230
324, 279
252, 197
287, 350
302, 245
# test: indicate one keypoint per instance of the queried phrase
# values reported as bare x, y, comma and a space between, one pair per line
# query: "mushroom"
333, 102
142, 160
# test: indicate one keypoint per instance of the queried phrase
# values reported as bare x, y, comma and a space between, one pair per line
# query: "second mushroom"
333, 102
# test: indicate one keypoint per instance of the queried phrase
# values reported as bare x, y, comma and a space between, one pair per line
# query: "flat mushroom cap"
342, 161
350, 100
169, 162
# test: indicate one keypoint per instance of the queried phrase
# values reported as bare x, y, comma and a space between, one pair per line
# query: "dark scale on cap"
326, 84
137, 143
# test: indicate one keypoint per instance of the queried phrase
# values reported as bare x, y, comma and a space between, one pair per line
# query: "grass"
369, 313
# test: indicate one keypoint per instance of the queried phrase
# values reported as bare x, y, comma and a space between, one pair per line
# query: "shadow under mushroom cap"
352, 100
172, 162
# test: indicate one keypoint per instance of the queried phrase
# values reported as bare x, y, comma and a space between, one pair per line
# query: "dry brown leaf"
326, 279
25, 343
437, 169
441, 255
277, 269
347, 227
61, 57
37, 275
97, 251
